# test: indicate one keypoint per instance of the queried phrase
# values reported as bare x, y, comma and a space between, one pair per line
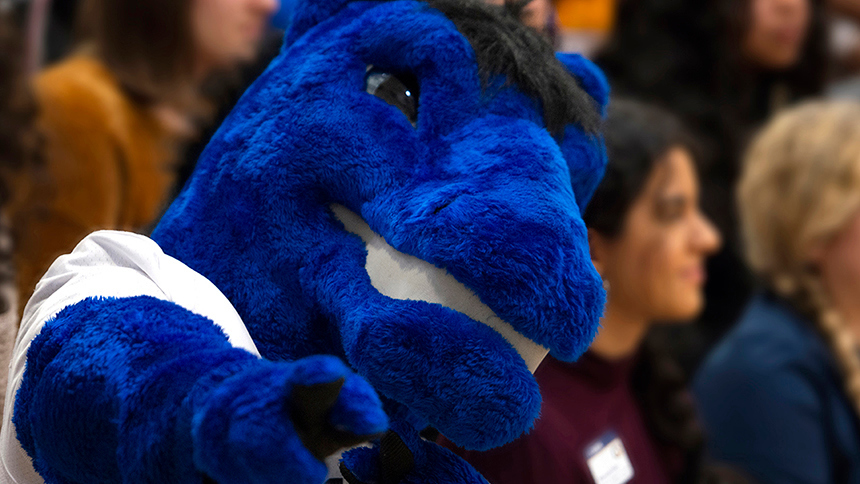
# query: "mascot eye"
398, 90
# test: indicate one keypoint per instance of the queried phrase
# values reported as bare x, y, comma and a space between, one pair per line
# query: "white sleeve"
107, 264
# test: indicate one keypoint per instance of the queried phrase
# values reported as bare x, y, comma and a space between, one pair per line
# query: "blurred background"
725, 230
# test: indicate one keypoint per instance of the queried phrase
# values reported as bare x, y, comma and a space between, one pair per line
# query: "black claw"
429, 433
310, 407
395, 459
395, 462
348, 476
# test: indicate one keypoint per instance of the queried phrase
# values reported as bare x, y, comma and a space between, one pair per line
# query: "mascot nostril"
442, 206
360, 254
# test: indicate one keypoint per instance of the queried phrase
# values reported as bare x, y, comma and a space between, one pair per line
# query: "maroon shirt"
582, 403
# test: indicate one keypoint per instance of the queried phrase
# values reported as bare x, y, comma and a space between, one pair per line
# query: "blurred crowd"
726, 229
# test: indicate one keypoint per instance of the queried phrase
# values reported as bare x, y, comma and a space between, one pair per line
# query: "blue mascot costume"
399, 192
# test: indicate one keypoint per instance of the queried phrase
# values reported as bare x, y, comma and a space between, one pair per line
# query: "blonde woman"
781, 394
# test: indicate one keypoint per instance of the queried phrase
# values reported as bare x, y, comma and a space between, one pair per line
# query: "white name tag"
607, 460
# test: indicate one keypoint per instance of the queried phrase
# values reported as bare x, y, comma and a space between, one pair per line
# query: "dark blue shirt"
773, 402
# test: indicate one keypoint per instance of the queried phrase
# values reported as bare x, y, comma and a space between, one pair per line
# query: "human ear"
597, 247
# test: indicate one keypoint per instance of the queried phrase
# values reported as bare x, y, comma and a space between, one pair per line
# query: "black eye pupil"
398, 90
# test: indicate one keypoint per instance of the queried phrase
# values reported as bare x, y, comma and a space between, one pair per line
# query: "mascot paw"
402, 456
276, 422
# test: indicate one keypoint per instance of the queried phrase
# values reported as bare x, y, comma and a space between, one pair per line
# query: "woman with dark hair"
622, 410
115, 113
722, 66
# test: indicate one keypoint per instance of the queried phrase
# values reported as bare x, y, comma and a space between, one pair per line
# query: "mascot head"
452, 135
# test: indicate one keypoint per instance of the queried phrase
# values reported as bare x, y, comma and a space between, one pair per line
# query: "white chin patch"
401, 276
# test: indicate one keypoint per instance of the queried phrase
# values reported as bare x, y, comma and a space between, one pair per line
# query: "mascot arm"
441, 364
141, 390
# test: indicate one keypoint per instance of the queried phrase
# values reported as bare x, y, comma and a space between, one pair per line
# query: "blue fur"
140, 390
434, 464
478, 187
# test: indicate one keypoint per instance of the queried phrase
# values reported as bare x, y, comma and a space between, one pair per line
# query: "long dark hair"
19, 138
638, 136
147, 45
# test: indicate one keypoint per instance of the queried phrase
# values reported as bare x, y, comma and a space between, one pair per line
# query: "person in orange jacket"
116, 112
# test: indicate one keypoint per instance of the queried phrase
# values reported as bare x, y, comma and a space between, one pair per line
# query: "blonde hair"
799, 187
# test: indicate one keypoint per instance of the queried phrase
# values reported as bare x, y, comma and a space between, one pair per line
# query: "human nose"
790, 6
706, 237
269, 7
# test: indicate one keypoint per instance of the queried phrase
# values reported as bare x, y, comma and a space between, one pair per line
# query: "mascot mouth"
405, 277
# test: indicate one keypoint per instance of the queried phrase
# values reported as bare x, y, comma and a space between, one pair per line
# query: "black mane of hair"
503, 45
